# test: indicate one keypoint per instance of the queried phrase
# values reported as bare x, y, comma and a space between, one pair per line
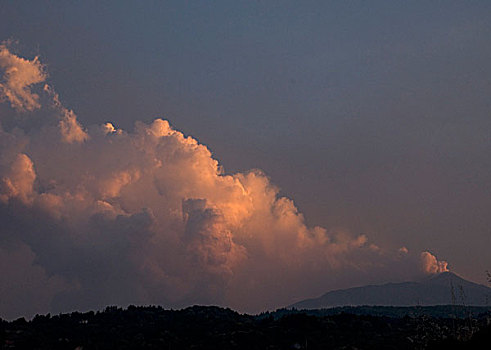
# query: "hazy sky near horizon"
373, 117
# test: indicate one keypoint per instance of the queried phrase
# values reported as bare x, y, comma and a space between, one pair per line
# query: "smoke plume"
431, 265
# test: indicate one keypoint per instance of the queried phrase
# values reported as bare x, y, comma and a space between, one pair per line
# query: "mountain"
442, 289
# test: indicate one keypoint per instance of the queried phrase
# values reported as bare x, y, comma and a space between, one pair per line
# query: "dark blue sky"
373, 116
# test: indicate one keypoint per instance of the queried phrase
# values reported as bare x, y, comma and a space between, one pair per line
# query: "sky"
258, 152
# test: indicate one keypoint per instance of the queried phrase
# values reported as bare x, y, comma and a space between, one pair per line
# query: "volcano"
445, 288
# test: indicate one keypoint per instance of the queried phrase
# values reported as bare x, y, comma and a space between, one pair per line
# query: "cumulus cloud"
70, 129
106, 216
19, 75
18, 180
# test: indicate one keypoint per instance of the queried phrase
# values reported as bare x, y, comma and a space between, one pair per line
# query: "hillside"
443, 289
215, 328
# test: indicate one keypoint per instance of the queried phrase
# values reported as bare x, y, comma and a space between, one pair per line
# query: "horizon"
280, 308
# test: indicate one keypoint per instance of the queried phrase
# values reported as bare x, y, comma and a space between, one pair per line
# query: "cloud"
18, 180
19, 75
70, 129
107, 216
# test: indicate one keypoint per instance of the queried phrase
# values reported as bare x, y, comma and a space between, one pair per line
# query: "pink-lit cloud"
105, 216
18, 75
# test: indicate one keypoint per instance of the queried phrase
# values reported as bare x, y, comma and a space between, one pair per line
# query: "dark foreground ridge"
210, 327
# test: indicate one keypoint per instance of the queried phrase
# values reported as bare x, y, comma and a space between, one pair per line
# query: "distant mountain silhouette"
443, 289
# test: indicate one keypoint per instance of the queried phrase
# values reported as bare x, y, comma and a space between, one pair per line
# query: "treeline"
436, 311
201, 327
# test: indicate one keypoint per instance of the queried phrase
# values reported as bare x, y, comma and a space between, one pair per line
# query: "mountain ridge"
445, 288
